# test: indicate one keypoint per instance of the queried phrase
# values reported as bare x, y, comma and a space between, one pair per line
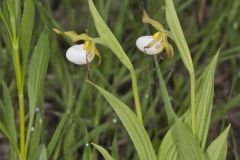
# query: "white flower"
144, 41
78, 55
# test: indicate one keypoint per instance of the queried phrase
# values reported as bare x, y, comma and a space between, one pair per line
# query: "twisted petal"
146, 19
73, 35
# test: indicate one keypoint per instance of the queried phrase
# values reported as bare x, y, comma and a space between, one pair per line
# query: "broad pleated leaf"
104, 153
133, 126
218, 148
108, 37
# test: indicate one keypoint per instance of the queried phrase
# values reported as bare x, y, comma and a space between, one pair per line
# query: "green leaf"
204, 102
166, 99
57, 133
35, 139
43, 153
104, 153
168, 148
115, 150
8, 136
218, 148
69, 140
87, 153
133, 126
26, 29
180, 144
91, 135
187, 146
204, 107
37, 73
108, 37
9, 119
178, 35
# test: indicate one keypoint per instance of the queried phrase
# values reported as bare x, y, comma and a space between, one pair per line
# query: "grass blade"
166, 99
35, 139
9, 119
36, 76
104, 153
91, 135
26, 29
43, 153
8, 136
56, 136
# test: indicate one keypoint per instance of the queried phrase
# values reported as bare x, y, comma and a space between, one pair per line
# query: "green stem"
193, 105
166, 100
135, 94
20, 97
20, 82
22, 125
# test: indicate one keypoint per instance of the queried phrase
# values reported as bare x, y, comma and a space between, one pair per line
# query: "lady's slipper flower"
156, 43
144, 41
80, 54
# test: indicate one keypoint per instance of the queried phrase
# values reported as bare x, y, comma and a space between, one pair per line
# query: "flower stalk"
136, 95
20, 85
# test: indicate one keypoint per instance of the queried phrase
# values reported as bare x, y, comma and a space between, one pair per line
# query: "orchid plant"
187, 133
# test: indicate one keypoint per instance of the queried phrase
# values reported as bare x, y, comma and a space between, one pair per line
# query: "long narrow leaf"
26, 29
218, 148
36, 76
178, 35
8, 136
104, 153
91, 135
35, 139
204, 102
9, 119
187, 146
133, 126
108, 37
56, 136
167, 149
43, 153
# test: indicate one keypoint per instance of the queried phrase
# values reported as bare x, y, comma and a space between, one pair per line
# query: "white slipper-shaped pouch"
143, 42
78, 55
